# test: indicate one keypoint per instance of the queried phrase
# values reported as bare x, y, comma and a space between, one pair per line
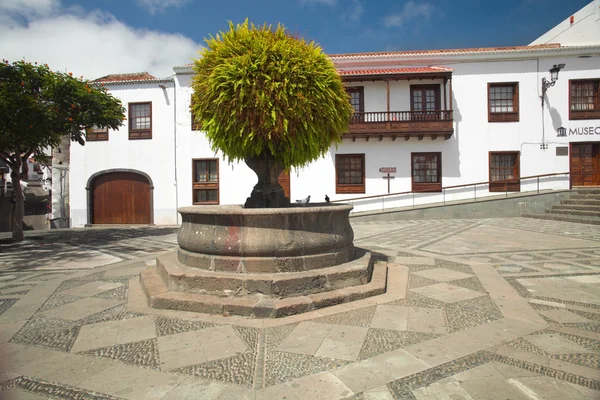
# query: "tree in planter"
39, 107
269, 99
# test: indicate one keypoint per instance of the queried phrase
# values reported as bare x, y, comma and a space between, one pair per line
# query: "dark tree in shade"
39, 107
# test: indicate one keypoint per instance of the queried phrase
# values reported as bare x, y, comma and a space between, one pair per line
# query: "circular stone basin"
265, 240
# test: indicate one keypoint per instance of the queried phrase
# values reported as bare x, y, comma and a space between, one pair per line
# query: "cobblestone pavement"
482, 309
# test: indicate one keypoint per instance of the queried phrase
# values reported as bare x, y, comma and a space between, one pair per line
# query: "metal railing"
443, 190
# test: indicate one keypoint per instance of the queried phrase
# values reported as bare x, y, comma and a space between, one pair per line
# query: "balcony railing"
402, 123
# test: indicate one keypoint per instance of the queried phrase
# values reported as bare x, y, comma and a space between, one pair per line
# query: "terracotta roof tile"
447, 51
135, 76
394, 71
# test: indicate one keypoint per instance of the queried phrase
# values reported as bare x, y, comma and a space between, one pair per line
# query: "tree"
39, 107
270, 99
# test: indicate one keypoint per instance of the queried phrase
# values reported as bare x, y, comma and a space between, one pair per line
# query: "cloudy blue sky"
97, 37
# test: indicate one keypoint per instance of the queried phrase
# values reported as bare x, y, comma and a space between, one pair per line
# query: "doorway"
585, 164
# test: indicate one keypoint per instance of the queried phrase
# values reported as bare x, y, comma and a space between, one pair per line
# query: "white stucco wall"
236, 180
167, 157
154, 157
585, 28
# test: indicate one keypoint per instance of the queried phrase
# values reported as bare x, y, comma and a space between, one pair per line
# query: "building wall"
236, 180
167, 157
585, 28
154, 157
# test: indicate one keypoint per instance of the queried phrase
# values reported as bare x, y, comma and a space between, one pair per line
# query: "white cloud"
410, 13
354, 12
322, 2
29, 7
154, 6
92, 44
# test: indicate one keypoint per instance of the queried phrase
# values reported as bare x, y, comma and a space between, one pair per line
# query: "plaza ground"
475, 309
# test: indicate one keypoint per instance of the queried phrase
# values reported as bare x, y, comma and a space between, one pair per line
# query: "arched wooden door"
121, 198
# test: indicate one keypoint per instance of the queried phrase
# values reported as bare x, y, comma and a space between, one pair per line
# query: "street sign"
386, 170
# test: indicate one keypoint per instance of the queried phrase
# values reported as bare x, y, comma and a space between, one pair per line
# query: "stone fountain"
263, 262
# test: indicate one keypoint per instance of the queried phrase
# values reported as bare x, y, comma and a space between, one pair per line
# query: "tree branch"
6, 157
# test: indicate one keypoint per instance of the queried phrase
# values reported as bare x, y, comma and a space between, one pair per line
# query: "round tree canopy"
261, 91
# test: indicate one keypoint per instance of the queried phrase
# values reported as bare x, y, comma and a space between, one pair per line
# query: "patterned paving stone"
141, 354
416, 281
590, 360
119, 293
5, 304
470, 283
563, 316
471, 313
402, 388
556, 344
417, 300
171, 326
47, 332
360, 317
442, 274
48, 390
379, 341
282, 367
91, 289
15, 289
447, 293
237, 369
455, 266
57, 300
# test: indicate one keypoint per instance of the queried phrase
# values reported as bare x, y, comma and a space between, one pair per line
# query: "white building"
434, 119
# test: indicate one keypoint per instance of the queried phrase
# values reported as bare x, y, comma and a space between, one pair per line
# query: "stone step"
582, 202
580, 207
592, 191
257, 305
565, 218
179, 277
584, 196
589, 213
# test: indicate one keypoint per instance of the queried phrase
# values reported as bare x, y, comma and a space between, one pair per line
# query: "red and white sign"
387, 170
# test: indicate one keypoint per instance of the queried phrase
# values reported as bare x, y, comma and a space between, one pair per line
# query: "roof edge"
133, 82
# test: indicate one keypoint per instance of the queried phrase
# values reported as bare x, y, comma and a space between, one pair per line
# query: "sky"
94, 38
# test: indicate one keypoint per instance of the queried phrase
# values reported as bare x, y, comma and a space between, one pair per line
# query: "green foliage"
39, 106
258, 90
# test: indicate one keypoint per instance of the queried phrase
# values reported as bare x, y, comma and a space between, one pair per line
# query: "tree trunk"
24, 168
267, 193
19, 205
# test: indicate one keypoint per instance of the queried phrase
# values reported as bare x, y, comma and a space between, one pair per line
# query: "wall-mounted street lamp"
553, 78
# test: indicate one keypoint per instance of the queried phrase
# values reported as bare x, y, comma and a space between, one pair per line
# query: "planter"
265, 240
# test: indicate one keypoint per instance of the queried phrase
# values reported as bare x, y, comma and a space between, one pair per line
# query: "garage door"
121, 198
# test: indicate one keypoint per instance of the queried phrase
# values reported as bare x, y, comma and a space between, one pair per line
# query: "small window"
96, 134
350, 173
503, 102
357, 101
140, 120
426, 172
504, 172
584, 99
205, 181
195, 125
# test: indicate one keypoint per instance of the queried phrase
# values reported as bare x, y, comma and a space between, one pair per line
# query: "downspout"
175, 147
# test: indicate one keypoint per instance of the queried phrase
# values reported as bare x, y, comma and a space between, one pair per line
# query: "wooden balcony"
405, 124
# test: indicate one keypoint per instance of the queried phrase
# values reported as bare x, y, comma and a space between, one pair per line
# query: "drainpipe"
174, 142
175, 147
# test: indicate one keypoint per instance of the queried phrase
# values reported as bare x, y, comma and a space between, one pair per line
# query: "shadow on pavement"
63, 248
